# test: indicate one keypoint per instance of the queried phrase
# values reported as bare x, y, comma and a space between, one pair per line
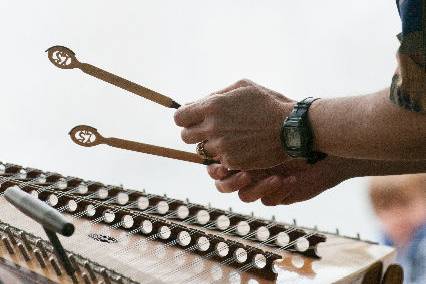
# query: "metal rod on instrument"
39, 211
64, 58
51, 220
60, 252
88, 136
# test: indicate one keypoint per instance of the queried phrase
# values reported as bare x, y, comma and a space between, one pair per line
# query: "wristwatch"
296, 133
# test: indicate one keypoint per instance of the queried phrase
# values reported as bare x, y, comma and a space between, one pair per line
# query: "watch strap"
300, 111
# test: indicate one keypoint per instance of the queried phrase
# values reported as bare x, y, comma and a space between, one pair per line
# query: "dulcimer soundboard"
131, 236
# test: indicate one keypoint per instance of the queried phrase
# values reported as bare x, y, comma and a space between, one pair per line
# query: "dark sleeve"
408, 87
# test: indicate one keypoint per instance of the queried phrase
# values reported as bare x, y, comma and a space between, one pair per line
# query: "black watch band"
296, 133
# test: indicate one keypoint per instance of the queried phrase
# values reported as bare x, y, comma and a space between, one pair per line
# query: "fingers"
260, 189
193, 113
236, 85
194, 134
218, 171
280, 196
233, 182
189, 115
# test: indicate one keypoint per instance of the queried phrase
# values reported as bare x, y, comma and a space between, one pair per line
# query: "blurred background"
185, 49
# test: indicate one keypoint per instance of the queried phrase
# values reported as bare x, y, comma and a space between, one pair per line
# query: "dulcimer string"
55, 185
70, 190
86, 196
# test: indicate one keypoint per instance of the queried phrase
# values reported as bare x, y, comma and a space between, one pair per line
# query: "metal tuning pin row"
30, 249
266, 232
231, 252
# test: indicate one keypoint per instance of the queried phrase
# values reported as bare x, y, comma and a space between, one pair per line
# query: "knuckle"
219, 187
177, 118
214, 105
229, 162
244, 82
185, 136
269, 202
244, 197
221, 145
211, 127
212, 171
251, 90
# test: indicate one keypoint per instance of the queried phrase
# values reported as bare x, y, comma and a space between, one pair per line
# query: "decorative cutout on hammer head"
62, 57
86, 136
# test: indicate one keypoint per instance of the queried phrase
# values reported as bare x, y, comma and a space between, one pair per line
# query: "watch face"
293, 138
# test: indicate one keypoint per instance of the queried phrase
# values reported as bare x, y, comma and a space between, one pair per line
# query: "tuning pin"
105, 276
230, 209
10, 235
24, 252
252, 214
337, 231
358, 236
74, 263
24, 239
273, 218
39, 244
90, 270
55, 266
187, 200
39, 258
316, 228
85, 278
7, 244
294, 222
143, 190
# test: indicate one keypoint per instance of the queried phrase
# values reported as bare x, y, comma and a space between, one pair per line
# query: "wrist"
318, 125
296, 133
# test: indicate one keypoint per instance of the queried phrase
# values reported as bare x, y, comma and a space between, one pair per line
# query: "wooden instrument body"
145, 259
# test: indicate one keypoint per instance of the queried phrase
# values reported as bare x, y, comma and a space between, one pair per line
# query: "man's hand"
290, 182
240, 123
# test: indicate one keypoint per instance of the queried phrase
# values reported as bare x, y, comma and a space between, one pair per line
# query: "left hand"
241, 124
290, 182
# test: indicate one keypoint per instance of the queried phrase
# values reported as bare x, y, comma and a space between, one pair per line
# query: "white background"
184, 49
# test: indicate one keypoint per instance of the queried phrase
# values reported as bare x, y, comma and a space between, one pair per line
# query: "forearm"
368, 127
359, 168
